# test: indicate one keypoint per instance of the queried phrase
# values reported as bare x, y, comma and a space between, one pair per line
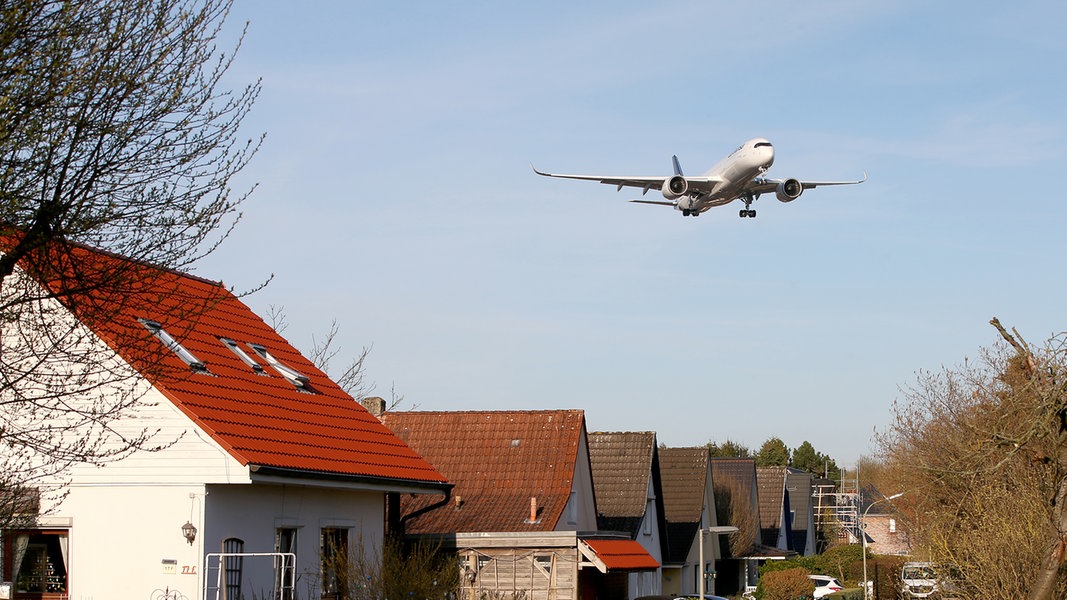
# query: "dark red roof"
261, 419
498, 461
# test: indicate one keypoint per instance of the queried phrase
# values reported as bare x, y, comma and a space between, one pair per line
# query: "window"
892, 525
233, 566
295, 377
334, 552
173, 345
285, 567
245, 358
35, 561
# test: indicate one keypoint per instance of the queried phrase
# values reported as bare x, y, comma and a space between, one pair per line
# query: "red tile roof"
262, 420
497, 461
622, 555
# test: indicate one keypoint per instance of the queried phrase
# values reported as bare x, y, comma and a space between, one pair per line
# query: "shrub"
786, 584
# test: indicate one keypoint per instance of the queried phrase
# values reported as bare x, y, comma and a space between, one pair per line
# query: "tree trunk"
1047, 579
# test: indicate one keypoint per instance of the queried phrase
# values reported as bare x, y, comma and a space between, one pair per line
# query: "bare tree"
115, 134
982, 451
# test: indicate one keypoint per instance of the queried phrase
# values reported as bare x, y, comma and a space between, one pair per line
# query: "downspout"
404, 519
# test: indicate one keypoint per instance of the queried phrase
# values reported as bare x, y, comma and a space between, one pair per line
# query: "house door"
36, 562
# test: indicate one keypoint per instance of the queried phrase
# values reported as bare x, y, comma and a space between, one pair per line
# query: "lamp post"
863, 540
722, 530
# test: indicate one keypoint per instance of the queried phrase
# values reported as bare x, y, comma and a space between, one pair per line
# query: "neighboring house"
689, 506
737, 504
269, 456
522, 515
885, 534
802, 517
774, 509
629, 497
880, 524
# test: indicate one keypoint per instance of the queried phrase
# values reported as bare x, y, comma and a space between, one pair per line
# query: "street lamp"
863, 539
722, 530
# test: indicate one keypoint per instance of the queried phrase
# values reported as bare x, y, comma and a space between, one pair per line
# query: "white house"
270, 465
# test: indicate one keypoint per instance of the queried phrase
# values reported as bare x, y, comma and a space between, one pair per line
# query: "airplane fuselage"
749, 161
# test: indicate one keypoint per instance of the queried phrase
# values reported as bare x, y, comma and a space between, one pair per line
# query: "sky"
395, 196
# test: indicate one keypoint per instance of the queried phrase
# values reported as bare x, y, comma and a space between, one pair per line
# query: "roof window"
295, 377
245, 358
174, 346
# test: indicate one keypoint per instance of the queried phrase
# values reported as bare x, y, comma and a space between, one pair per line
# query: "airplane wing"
763, 185
696, 184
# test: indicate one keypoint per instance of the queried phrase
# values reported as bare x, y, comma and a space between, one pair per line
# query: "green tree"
115, 132
773, 453
806, 458
729, 449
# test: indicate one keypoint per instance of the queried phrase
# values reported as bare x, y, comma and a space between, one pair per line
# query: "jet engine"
675, 187
789, 190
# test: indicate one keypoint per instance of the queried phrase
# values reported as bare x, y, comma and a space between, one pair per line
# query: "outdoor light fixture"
189, 531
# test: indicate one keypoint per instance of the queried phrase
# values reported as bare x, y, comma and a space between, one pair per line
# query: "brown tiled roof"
258, 416
770, 483
498, 461
622, 465
684, 473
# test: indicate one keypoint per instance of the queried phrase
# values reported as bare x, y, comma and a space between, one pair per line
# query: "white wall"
120, 536
252, 513
580, 512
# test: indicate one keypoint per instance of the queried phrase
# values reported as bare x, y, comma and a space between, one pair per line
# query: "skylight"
174, 346
245, 358
295, 377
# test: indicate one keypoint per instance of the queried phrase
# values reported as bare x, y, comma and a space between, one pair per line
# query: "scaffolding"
836, 508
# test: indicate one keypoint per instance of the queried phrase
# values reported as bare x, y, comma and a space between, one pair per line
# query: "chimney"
533, 510
374, 405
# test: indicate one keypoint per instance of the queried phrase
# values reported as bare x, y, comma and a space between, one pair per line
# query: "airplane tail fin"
677, 167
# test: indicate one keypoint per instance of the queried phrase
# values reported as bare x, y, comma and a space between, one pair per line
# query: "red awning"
618, 555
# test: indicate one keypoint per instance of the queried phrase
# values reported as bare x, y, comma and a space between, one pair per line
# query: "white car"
825, 585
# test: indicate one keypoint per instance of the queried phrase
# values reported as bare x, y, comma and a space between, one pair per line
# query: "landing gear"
747, 211
685, 212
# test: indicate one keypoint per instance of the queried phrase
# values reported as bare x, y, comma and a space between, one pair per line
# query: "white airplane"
736, 177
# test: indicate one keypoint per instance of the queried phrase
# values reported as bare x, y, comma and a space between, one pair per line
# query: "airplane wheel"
742, 213
752, 213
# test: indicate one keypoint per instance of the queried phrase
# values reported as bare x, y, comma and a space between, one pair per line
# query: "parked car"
918, 580
825, 585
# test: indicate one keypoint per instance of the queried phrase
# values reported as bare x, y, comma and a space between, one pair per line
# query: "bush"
785, 584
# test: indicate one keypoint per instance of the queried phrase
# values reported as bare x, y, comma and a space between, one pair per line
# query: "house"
266, 465
629, 497
800, 487
737, 504
880, 524
522, 514
774, 509
689, 506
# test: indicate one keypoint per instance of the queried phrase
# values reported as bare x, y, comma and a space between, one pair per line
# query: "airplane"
739, 176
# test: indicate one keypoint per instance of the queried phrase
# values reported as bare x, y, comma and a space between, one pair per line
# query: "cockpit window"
758, 144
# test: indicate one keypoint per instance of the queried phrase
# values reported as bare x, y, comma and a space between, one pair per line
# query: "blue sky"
395, 196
